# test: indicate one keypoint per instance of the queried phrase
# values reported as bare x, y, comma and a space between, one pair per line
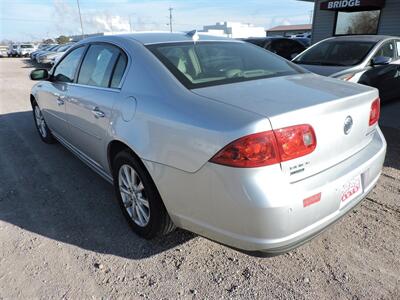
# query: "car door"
53, 92
386, 78
92, 97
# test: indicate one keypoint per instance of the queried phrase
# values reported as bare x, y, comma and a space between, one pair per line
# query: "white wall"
234, 30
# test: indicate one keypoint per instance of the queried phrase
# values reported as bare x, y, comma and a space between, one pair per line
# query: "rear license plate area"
350, 190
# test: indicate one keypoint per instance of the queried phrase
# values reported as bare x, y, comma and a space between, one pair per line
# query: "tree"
62, 39
48, 41
364, 23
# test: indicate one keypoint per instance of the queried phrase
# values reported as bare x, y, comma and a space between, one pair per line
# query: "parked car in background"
42, 46
370, 59
306, 35
60, 52
44, 57
12, 50
3, 51
213, 135
42, 50
285, 47
305, 41
24, 50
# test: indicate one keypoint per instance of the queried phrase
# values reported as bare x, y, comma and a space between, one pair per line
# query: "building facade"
343, 17
234, 30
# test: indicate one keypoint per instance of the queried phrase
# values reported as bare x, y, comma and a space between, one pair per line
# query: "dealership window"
360, 22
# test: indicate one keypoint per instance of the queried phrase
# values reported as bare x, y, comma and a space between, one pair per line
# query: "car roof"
266, 38
147, 38
362, 38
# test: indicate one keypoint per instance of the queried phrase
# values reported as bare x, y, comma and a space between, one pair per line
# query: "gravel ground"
62, 234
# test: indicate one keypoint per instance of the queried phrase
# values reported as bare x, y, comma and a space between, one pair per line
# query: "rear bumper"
257, 209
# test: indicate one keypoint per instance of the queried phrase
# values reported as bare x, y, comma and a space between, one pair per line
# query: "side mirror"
381, 61
39, 74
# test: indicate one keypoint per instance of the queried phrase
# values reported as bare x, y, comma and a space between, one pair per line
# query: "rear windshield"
336, 53
204, 64
26, 46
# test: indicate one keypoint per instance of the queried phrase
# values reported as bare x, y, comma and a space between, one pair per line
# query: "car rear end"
315, 153
274, 190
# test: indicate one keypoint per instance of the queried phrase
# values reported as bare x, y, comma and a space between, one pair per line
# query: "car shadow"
29, 64
47, 190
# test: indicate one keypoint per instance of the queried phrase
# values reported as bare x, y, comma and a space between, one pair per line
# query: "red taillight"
295, 141
375, 112
268, 148
251, 151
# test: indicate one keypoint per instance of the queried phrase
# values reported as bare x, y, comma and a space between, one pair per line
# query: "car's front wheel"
41, 126
139, 198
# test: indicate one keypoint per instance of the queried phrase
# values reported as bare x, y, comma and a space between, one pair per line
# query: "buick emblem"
348, 124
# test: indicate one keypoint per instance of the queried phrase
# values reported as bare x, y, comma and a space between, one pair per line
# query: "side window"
398, 48
119, 70
387, 50
98, 64
65, 70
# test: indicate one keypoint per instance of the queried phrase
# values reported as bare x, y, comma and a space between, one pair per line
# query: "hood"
325, 70
274, 96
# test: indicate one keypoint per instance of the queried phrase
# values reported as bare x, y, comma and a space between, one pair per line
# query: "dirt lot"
62, 234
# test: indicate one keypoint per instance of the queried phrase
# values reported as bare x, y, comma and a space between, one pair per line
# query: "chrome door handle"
60, 101
98, 113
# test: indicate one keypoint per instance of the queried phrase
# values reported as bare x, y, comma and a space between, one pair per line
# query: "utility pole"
80, 18
130, 23
170, 18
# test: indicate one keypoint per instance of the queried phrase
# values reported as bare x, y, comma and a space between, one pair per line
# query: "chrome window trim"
109, 89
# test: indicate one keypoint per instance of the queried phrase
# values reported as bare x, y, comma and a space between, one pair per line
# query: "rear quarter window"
119, 70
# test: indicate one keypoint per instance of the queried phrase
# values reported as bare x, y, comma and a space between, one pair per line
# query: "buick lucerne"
216, 136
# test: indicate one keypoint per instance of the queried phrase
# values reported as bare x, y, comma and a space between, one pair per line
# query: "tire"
41, 126
139, 197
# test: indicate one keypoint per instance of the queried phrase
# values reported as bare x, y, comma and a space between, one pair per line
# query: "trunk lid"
324, 103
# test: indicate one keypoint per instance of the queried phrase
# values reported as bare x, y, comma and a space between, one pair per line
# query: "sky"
24, 20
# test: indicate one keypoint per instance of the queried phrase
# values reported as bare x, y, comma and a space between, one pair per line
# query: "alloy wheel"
40, 123
133, 195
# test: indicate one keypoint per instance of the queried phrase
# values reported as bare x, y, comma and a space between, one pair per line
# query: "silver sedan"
216, 136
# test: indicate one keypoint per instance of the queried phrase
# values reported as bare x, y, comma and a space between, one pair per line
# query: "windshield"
336, 53
212, 63
26, 46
